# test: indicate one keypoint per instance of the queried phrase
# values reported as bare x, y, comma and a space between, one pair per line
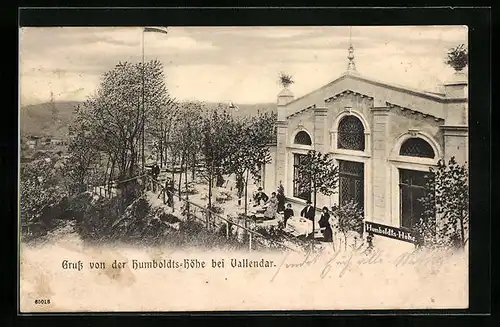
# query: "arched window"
351, 134
302, 138
416, 147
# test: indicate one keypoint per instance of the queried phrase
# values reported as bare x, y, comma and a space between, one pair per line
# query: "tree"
215, 144
40, 189
349, 218
249, 149
319, 173
445, 219
111, 119
457, 57
285, 79
161, 120
188, 137
83, 156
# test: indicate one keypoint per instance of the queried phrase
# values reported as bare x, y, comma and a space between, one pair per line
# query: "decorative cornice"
320, 111
281, 123
413, 112
346, 92
455, 130
413, 132
301, 111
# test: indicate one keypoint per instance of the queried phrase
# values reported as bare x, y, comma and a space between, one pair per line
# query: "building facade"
383, 137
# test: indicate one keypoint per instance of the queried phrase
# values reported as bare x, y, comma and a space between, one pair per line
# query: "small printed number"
46, 301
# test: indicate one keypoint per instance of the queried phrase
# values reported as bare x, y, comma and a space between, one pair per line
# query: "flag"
152, 29
233, 106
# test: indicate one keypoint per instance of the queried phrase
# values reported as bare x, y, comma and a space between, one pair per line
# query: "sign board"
391, 232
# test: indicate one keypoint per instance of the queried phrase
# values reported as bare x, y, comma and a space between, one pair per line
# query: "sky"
233, 64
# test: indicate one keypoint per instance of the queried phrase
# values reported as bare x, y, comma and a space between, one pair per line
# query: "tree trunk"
193, 172
106, 172
160, 141
174, 158
246, 198
345, 241
240, 187
246, 195
462, 232
210, 181
186, 181
111, 173
180, 174
314, 221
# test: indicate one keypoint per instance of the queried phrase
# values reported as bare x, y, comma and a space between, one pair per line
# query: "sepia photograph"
235, 168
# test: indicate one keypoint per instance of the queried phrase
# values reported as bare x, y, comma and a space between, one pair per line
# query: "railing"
111, 189
213, 221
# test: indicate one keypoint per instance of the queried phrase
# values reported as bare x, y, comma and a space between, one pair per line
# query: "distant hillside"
52, 119
47, 119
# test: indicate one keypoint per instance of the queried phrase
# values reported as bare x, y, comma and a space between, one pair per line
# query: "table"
298, 226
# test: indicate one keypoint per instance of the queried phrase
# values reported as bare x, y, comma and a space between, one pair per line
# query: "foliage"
249, 149
285, 79
215, 145
83, 156
111, 120
445, 219
319, 171
349, 218
187, 139
40, 189
457, 57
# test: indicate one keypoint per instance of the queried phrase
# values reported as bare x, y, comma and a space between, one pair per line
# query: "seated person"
260, 196
288, 213
271, 207
308, 211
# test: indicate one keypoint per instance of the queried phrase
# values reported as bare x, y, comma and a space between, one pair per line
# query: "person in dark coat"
155, 172
325, 223
170, 193
281, 199
308, 211
260, 196
288, 212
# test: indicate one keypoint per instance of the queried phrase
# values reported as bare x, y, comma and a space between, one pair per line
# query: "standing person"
288, 212
272, 207
308, 211
155, 172
280, 195
324, 222
170, 193
260, 196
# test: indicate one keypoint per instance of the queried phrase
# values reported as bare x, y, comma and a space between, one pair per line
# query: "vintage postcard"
167, 169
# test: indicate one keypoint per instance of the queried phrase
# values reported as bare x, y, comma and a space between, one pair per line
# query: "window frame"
423, 141
411, 188
361, 133
334, 134
294, 183
302, 144
352, 177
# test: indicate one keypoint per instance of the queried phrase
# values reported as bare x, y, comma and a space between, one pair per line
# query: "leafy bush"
40, 191
445, 219
349, 218
457, 57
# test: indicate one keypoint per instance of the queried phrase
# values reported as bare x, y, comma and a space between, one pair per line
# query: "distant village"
34, 147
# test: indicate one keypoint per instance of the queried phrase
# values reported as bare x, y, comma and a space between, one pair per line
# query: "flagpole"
143, 109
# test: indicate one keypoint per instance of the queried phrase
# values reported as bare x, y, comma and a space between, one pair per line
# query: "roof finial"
351, 66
